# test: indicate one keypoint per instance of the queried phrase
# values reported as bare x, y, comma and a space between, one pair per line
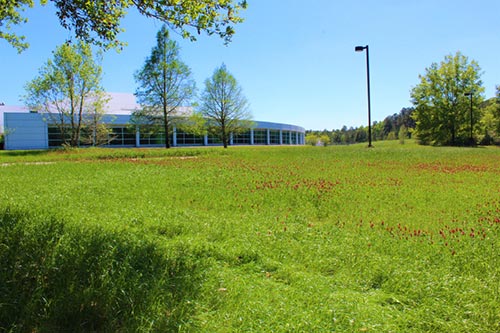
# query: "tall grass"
265, 239
59, 277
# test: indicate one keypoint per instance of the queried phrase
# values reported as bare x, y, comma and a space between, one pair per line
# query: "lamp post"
470, 94
361, 49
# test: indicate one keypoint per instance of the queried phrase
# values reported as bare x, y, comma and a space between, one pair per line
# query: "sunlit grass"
399, 238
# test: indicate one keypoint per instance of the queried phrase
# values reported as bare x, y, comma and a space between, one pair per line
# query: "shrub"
403, 134
325, 140
312, 139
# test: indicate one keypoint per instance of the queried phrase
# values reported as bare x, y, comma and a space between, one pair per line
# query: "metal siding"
279, 126
25, 131
29, 130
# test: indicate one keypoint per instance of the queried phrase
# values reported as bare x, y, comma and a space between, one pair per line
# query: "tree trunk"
224, 134
165, 106
165, 125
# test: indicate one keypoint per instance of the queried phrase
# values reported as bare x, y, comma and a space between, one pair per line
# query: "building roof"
10, 108
121, 103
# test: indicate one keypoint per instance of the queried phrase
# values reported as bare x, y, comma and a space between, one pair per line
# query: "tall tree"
442, 111
224, 105
68, 90
165, 83
497, 113
490, 121
98, 22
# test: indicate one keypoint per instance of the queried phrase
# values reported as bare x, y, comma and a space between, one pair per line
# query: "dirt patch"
26, 163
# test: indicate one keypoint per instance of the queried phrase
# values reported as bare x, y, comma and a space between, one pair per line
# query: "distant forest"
398, 126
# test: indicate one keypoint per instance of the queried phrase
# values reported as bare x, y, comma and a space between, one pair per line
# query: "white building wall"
26, 130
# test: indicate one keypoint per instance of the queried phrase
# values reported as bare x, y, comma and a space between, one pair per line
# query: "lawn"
399, 238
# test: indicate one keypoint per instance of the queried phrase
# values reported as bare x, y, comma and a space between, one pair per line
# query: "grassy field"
399, 238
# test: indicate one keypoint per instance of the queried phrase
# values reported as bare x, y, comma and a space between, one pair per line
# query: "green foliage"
403, 134
165, 84
68, 89
224, 105
312, 139
391, 136
194, 124
10, 15
278, 239
442, 112
315, 139
98, 22
325, 140
497, 113
489, 123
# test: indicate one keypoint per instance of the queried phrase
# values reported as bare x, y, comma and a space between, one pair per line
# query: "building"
31, 130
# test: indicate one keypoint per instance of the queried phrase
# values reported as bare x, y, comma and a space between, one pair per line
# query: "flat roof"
121, 106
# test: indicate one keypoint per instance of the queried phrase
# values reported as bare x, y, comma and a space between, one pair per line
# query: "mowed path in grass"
399, 238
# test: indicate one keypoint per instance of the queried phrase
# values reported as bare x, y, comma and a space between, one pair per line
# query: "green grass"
399, 238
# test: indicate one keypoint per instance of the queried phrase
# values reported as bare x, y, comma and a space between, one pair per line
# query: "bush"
325, 140
403, 134
56, 277
391, 136
312, 139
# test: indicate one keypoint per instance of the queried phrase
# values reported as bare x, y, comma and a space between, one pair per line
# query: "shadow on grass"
17, 153
57, 277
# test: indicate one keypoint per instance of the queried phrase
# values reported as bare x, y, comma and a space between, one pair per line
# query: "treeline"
398, 126
402, 125
449, 109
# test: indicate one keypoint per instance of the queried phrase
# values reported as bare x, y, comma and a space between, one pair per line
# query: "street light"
470, 94
361, 49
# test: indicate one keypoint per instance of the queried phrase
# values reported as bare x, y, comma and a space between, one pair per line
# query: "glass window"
286, 137
115, 136
184, 138
150, 136
129, 136
274, 137
260, 136
55, 137
214, 140
242, 138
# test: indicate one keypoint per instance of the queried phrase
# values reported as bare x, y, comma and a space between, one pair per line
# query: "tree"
10, 15
336, 137
442, 111
405, 118
378, 130
98, 22
325, 140
312, 139
497, 113
224, 105
490, 121
402, 134
165, 83
361, 134
68, 90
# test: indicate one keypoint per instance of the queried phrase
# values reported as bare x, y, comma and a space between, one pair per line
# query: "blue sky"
294, 59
